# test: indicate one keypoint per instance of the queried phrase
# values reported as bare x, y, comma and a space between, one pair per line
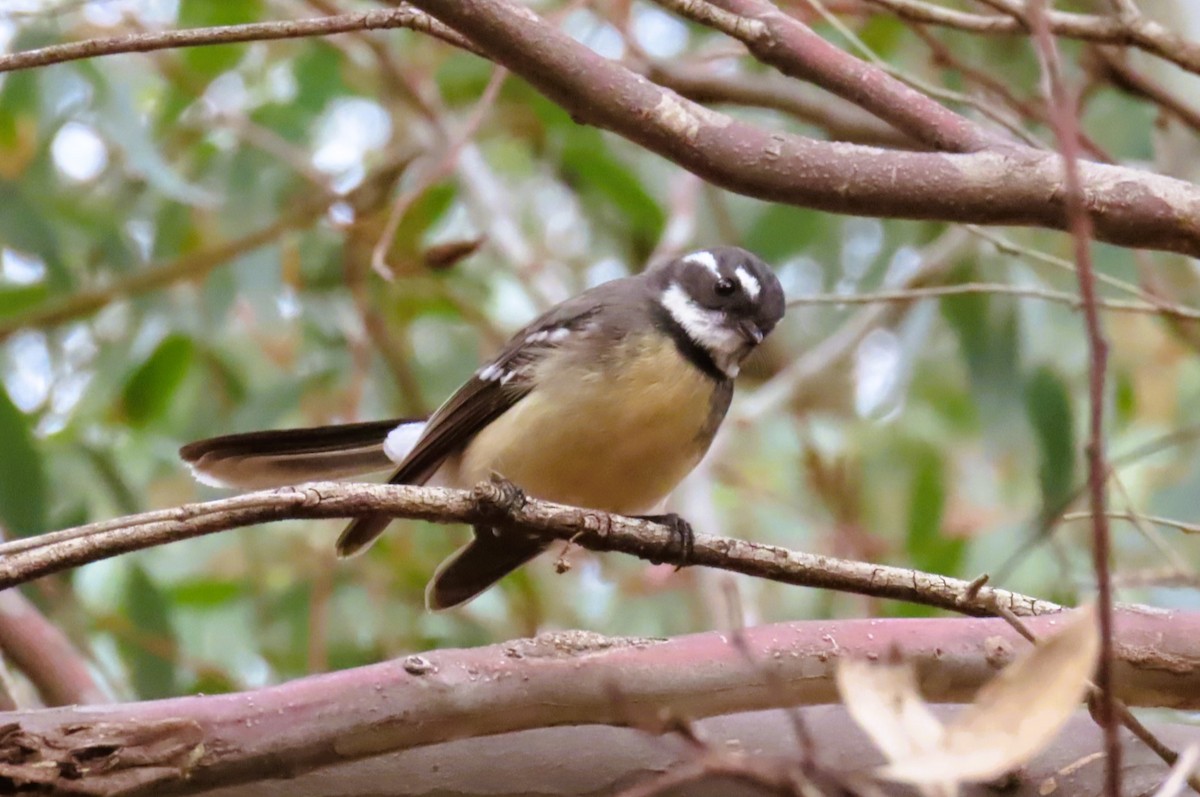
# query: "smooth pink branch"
570, 678
794, 49
1014, 185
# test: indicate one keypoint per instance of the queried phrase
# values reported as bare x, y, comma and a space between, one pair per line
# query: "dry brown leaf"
1177, 781
886, 703
1015, 715
444, 255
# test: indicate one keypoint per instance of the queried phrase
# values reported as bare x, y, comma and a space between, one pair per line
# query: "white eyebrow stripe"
749, 283
706, 259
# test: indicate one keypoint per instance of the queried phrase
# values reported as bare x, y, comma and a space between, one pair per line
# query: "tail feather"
275, 458
255, 460
360, 533
479, 564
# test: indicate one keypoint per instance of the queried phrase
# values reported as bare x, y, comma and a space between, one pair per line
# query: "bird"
606, 401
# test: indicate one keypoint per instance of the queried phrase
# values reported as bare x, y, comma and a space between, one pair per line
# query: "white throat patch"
707, 328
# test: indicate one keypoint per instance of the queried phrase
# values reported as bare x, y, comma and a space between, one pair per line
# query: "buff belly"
616, 439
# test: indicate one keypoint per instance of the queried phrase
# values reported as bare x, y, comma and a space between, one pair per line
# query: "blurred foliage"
941, 442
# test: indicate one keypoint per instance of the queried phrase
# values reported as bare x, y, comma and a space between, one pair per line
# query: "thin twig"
1158, 520
442, 169
26, 559
1114, 67
41, 651
1063, 113
1122, 712
192, 265
195, 265
1129, 30
232, 34
790, 46
995, 114
1147, 528
1010, 247
938, 291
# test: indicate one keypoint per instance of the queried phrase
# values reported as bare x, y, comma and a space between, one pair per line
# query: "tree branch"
1129, 30
492, 503
841, 120
1129, 27
230, 34
1063, 111
794, 49
1005, 185
44, 654
195, 265
996, 289
555, 680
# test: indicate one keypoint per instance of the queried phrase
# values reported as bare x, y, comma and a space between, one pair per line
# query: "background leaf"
147, 642
209, 62
23, 493
151, 386
1049, 406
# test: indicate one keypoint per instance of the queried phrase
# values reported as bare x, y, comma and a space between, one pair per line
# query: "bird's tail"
488, 557
257, 460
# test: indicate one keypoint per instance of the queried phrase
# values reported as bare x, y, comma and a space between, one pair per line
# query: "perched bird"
606, 402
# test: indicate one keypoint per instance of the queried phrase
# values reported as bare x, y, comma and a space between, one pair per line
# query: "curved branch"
559, 679
193, 265
230, 34
498, 505
196, 265
1003, 185
793, 48
1133, 30
841, 120
45, 655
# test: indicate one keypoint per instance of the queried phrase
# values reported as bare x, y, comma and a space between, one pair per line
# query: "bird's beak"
750, 331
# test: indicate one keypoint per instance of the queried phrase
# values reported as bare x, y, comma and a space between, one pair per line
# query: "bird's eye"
725, 287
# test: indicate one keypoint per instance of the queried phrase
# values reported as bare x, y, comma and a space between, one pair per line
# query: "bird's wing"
489, 393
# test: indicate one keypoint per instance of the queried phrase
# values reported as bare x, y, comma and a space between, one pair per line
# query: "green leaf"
989, 340
206, 593
318, 71
110, 476
17, 298
1048, 403
421, 215
119, 120
25, 226
780, 231
18, 96
883, 34
208, 62
212, 682
928, 547
1125, 399
23, 491
600, 177
151, 386
462, 79
19, 139
175, 231
148, 648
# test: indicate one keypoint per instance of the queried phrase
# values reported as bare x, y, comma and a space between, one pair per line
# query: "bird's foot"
498, 498
683, 540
